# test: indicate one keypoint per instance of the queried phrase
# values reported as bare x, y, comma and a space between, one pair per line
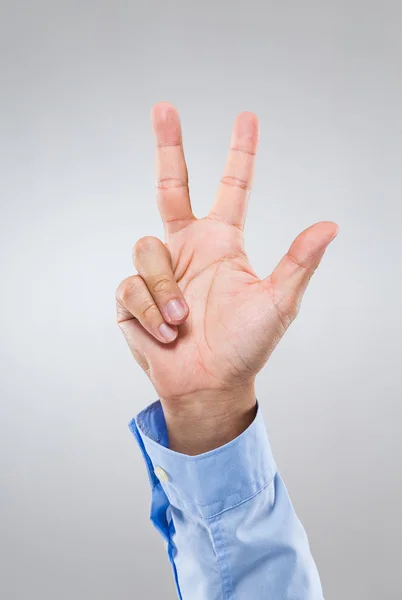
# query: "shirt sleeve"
226, 517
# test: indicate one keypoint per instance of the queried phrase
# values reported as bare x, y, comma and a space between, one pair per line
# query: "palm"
233, 323
235, 318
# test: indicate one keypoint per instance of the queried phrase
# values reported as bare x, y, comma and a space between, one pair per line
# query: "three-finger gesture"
196, 316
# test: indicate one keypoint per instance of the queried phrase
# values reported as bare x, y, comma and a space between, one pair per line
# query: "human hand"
203, 362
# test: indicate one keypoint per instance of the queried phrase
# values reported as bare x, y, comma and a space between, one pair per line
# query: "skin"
203, 362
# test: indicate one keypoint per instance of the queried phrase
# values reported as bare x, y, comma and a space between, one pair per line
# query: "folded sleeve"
226, 517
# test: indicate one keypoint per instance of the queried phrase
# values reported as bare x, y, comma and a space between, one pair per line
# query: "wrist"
209, 419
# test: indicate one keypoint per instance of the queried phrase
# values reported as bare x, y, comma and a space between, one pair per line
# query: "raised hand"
197, 318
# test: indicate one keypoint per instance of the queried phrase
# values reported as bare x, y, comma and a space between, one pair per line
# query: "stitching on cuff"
238, 491
267, 484
193, 508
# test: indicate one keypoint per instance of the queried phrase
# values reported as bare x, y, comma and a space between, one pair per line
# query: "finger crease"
235, 182
295, 261
244, 151
180, 220
168, 145
171, 182
217, 217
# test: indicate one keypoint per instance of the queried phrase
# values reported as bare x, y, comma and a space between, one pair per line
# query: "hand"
197, 318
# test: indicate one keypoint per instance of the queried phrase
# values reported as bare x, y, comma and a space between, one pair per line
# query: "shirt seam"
223, 561
189, 508
272, 470
267, 484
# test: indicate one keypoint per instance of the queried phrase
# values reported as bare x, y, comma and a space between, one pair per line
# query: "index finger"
171, 171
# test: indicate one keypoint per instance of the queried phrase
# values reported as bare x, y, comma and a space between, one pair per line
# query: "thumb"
291, 277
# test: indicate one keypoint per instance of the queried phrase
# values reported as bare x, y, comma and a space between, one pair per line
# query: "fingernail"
175, 310
167, 332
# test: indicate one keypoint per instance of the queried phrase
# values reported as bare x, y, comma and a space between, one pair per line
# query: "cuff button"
161, 474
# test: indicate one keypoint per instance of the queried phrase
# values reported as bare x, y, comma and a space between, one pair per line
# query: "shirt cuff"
210, 483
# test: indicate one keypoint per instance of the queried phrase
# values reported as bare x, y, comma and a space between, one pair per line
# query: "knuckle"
160, 284
126, 289
145, 244
120, 292
148, 310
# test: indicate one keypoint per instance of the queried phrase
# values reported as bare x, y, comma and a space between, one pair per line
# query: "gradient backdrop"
78, 79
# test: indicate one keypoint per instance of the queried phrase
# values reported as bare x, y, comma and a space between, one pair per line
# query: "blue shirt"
226, 516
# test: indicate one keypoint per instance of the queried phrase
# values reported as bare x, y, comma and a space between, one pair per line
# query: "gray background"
78, 79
